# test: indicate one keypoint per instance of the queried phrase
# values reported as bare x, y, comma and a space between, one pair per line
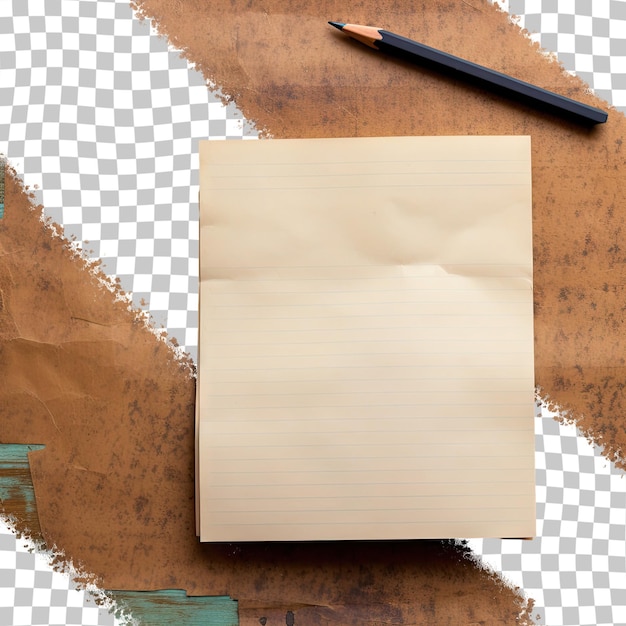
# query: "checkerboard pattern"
588, 37
104, 122
575, 569
32, 593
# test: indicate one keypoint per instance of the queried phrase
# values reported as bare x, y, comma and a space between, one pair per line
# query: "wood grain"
82, 375
296, 76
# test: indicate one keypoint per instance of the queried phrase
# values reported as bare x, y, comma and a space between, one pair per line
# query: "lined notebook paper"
366, 339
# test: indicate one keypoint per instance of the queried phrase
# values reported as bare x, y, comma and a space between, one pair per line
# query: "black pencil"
410, 50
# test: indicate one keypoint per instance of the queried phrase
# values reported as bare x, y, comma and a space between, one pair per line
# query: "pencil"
415, 52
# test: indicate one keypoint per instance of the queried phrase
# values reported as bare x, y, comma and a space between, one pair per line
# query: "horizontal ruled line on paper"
346, 296
389, 275
376, 341
369, 267
406, 370
388, 310
360, 393
394, 360
434, 412
388, 303
264, 178
415, 317
326, 452
506, 500
332, 161
215, 275
408, 523
309, 437
379, 382
348, 493
473, 487
373, 346
417, 423
366, 351
331, 505
414, 406
223, 330
220, 180
331, 165
346, 499
417, 516
235, 453
328, 172
264, 429
452, 470
386, 381
357, 186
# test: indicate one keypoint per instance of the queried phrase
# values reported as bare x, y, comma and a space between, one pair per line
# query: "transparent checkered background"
104, 119
32, 593
589, 39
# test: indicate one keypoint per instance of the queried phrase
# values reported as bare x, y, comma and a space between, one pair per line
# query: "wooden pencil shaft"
391, 42
416, 52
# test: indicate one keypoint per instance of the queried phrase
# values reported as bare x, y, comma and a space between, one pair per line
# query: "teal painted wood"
16, 453
173, 606
16, 485
147, 608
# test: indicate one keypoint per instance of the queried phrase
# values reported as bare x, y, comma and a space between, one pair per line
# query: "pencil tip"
338, 25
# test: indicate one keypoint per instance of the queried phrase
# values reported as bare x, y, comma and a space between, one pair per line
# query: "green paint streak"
16, 453
16, 485
173, 606
148, 608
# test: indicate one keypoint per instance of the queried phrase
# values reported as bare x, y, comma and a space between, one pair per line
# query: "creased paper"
366, 339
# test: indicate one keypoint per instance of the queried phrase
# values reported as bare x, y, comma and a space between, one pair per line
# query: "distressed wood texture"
17, 496
114, 485
295, 76
173, 606
149, 608
82, 375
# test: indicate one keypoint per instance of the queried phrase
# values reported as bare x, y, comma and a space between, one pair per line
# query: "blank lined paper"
366, 339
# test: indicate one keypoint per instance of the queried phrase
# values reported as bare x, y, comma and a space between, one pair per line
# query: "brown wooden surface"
80, 374
114, 485
296, 76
